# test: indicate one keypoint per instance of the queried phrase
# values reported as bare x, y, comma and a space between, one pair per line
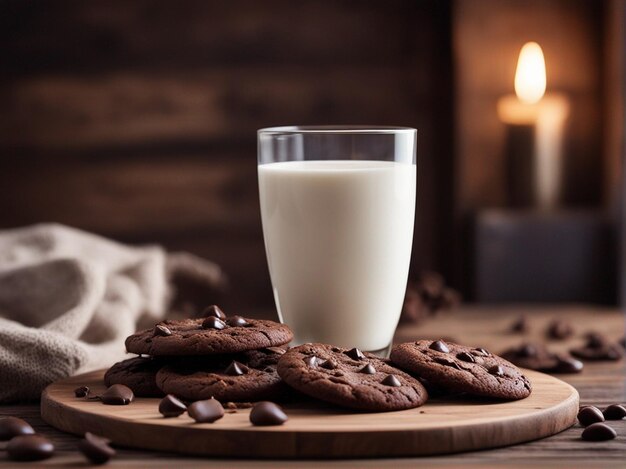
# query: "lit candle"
535, 123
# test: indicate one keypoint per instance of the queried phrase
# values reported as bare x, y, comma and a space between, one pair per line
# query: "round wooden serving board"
319, 431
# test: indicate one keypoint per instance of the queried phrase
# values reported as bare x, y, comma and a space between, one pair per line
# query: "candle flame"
530, 76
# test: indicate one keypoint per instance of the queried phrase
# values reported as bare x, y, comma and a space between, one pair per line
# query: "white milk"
338, 238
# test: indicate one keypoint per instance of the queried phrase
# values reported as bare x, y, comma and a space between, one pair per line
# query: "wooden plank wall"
136, 119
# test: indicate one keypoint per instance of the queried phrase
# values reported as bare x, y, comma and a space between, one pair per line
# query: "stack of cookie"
232, 359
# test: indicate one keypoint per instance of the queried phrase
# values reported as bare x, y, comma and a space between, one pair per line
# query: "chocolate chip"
13, 426
207, 411
481, 351
447, 362
171, 406
368, 369
311, 361
598, 432
161, 330
236, 321
614, 412
355, 354
236, 369
567, 365
278, 350
466, 357
117, 394
267, 413
520, 324
496, 370
391, 380
96, 449
82, 391
439, 346
29, 448
214, 311
213, 322
328, 364
559, 329
527, 350
588, 415
595, 340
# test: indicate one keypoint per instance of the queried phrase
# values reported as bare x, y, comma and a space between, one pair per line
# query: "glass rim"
336, 129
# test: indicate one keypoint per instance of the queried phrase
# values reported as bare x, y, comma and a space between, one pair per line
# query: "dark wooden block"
525, 256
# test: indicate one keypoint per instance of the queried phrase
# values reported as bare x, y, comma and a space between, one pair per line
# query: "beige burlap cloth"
68, 300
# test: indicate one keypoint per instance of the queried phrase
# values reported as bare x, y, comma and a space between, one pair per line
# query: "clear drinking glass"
338, 209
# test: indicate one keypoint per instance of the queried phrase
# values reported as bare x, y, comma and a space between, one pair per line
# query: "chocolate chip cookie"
138, 373
208, 336
247, 376
349, 378
466, 369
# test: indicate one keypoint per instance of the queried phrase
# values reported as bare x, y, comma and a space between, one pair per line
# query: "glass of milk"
338, 209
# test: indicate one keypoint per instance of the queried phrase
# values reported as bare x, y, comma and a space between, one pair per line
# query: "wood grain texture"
137, 120
320, 431
600, 384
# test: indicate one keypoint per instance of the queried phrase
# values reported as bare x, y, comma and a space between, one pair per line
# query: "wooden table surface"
599, 384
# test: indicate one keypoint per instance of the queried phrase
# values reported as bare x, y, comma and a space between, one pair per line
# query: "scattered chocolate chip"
527, 350
598, 432
171, 406
96, 449
368, 369
606, 352
278, 350
481, 351
29, 448
559, 329
614, 412
355, 354
328, 364
213, 322
82, 391
236, 369
590, 414
236, 321
466, 357
566, 365
161, 330
13, 426
311, 361
496, 370
391, 380
520, 324
117, 394
267, 413
439, 346
214, 311
207, 411
595, 340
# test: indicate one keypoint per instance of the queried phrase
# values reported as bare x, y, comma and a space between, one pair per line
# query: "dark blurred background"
136, 120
